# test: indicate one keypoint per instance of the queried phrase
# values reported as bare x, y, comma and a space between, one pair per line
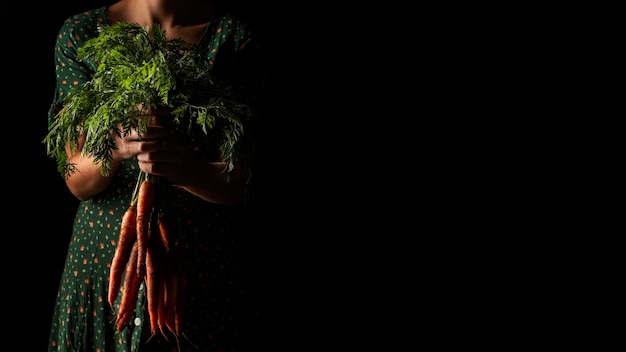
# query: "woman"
206, 207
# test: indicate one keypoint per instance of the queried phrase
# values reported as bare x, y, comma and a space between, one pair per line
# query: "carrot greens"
139, 68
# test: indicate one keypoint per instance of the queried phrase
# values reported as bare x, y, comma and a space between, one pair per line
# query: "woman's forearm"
87, 180
206, 180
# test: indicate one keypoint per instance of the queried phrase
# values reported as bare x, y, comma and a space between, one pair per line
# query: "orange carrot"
126, 239
171, 298
165, 233
130, 290
161, 305
176, 278
166, 307
145, 200
153, 276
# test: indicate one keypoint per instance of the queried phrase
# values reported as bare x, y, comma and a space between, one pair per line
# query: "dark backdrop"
42, 209
301, 208
403, 186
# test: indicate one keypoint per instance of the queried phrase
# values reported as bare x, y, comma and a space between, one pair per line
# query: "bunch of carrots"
147, 251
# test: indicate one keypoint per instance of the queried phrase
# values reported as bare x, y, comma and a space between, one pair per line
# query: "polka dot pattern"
82, 319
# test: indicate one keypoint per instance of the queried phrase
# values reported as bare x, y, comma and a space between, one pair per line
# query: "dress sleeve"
239, 56
71, 73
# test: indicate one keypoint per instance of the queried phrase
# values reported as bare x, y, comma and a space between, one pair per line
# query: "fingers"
161, 163
161, 117
155, 132
161, 148
160, 140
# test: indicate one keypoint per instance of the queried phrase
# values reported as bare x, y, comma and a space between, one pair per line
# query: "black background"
302, 183
406, 182
42, 209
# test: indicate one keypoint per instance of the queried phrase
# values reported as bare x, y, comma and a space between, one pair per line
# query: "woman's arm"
159, 152
162, 153
87, 180
206, 180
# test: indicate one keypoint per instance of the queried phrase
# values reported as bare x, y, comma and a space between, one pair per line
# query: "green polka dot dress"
210, 234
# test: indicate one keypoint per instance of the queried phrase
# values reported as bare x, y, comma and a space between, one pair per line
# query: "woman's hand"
159, 151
